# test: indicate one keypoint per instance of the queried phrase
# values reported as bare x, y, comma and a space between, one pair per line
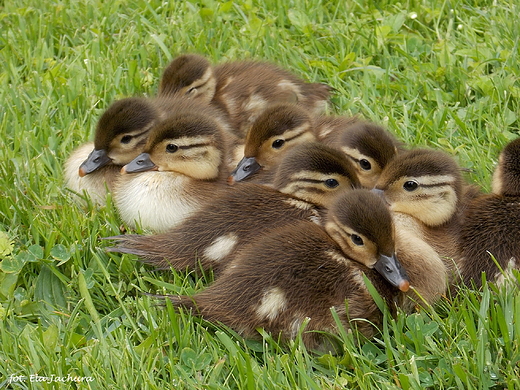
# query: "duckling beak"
245, 168
95, 160
141, 163
390, 268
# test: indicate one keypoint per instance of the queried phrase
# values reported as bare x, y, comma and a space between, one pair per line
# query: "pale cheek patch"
221, 247
273, 303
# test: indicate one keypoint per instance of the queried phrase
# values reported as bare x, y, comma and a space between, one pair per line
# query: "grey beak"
95, 160
245, 168
141, 163
390, 268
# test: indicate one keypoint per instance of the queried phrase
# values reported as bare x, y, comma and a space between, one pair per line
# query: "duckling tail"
178, 301
150, 249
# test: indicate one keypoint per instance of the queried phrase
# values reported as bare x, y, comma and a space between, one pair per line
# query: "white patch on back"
273, 302
221, 247
289, 85
255, 102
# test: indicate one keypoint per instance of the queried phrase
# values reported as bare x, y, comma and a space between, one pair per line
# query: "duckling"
426, 193
298, 273
307, 181
491, 224
277, 129
241, 89
369, 145
182, 166
120, 134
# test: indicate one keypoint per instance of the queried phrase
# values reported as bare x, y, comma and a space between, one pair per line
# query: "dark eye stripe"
192, 146
353, 158
435, 185
309, 190
138, 135
295, 136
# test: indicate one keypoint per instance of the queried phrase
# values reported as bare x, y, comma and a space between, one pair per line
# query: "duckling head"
277, 129
506, 178
315, 173
120, 134
371, 148
360, 223
425, 184
188, 143
189, 75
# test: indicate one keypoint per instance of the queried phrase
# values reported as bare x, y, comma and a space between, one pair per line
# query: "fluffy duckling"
369, 145
276, 130
308, 179
241, 89
492, 225
182, 165
120, 135
426, 193
296, 274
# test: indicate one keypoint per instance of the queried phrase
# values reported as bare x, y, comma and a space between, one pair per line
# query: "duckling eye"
191, 91
356, 239
365, 164
277, 144
171, 148
331, 183
410, 185
126, 139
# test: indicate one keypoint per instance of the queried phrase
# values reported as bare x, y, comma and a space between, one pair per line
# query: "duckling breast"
155, 200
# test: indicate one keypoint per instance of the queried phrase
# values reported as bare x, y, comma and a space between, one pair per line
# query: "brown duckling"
369, 145
276, 130
241, 89
183, 165
298, 273
427, 195
308, 179
120, 135
491, 225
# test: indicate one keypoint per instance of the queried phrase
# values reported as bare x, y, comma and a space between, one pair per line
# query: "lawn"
440, 74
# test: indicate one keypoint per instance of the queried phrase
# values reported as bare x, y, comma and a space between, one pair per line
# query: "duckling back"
491, 225
245, 88
241, 214
297, 274
240, 89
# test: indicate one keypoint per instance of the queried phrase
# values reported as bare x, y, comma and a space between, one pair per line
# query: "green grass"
437, 74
